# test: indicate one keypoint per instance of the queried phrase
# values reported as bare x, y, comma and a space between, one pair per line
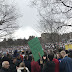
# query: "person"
70, 54
58, 56
13, 65
66, 63
22, 68
22, 55
5, 58
35, 67
5, 66
55, 61
50, 65
18, 60
56, 64
27, 62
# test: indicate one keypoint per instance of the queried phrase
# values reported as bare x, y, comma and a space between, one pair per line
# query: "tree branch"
65, 4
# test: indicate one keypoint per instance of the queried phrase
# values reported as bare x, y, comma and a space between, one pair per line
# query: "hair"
51, 56
26, 57
59, 54
23, 52
4, 63
22, 64
14, 58
63, 52
24, 70
70, 54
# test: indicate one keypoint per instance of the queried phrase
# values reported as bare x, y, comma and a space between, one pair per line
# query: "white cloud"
27, 21
28, 31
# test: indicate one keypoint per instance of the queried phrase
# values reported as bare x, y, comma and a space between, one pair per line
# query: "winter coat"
35, 67
4, 70
20, 69
66, 64
18, 62
56, 65
13, 67
28, 64
49, 67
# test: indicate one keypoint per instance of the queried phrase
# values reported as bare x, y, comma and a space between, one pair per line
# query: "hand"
17, 67
39, 55
41, 61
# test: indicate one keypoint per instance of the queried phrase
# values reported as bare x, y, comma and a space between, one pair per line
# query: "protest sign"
36, 48
68, 46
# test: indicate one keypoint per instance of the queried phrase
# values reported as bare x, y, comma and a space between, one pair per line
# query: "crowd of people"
23, 61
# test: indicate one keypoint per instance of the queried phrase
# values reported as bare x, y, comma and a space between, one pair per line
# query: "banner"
68, 46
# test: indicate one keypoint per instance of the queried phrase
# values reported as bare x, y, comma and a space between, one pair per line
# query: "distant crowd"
23, 61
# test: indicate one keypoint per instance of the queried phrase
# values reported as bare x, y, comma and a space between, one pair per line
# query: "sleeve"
38, 68
27, 70
62, 66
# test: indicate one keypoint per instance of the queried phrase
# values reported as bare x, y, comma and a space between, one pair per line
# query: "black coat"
49, 67
12, 67
28, 64
4, 70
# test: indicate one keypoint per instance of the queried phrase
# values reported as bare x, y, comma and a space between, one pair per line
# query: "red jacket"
56, 65
35, 67
21, 57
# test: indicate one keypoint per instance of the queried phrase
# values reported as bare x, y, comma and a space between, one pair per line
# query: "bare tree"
53, 13
8, 16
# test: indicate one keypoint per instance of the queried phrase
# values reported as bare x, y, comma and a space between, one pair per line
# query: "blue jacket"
66, 64
59, 59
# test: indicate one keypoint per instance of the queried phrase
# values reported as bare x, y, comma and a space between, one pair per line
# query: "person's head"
50, 51
9, 56
51, 56
58, 55
70, 54
14, 60
4, 54
22, 52
26, 57
22, 64
63, 53
5, 64
44, 57
18, 56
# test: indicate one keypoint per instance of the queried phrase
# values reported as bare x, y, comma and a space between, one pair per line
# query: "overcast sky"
27, 21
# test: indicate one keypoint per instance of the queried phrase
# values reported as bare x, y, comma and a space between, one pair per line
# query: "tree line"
45, 38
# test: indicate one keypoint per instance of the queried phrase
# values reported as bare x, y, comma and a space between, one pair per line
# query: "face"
58, 56
14, 61
44, 57
62, 54
7, 65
